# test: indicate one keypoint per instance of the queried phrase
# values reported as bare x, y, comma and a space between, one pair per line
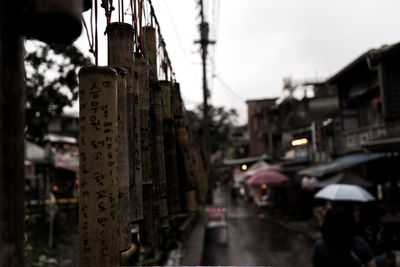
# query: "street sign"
216, 216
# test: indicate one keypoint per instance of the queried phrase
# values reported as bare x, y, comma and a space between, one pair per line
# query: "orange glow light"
264, 186
300, 142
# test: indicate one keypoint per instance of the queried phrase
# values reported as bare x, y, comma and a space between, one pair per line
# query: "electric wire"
178, 37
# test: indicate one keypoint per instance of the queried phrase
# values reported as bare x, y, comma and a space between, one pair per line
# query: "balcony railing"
354, 139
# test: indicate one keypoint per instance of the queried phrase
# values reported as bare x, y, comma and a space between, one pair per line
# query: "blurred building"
258, 127
369, 97
294, 128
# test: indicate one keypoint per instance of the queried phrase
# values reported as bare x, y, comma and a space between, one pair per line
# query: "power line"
183, 50
226, 86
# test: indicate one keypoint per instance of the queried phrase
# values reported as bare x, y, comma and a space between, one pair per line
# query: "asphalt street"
253, 240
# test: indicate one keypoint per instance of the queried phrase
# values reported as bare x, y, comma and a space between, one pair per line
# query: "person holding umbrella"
339, 246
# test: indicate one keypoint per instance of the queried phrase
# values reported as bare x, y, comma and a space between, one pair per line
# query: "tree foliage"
221, 126
51, 84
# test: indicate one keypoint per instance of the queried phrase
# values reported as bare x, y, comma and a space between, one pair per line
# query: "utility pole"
204, 42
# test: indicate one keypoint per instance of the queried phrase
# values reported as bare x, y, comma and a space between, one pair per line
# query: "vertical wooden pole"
184, 153
120, 53
171, 164
12, 123
164, 111
98, 202
141, 71
148, 228
123, 163
150, 50
157, 173
196, 170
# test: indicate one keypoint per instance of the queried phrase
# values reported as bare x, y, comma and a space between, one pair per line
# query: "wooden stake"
98, 202
120, 53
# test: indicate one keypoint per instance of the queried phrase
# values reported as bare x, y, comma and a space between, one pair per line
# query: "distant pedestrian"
339, 245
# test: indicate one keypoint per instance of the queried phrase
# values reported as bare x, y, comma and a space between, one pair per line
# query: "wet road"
250, 240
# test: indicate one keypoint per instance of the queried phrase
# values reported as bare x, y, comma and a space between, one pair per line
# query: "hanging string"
140, 3
122, 10
119, 11
134, 22
96, 49
109, 8
90, 41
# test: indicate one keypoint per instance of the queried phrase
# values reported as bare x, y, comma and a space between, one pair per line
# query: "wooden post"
150, 50
120, 53
195, 161
98, 202
152, 221
123, 163
184, 154
171, 165
142, 72
12, 123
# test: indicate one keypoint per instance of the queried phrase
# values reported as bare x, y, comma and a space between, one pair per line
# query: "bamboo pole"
142, 72
150, 227
98, 202
171, 165
120, 53
184, 154
123, 163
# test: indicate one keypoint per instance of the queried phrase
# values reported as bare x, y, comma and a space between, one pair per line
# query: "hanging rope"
90, 41
135, 22
109, 8
96, 48
161, 39
119, 11
140, 4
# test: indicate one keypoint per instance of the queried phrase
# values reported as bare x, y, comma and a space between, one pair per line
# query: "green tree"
51, 84
221, 126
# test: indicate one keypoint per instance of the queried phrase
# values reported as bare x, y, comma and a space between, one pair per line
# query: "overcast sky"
261, 41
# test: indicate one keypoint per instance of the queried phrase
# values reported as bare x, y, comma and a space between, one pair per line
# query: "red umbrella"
267, 177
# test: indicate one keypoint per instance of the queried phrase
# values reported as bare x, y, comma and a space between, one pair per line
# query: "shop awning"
338, 164
245, 160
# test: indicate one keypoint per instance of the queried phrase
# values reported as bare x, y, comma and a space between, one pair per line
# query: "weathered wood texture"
98, 202
12, 123
120, 53
142, 72
195, 160
186, 169
150, 228
163, 191
171, 164
123, 163
150, 50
